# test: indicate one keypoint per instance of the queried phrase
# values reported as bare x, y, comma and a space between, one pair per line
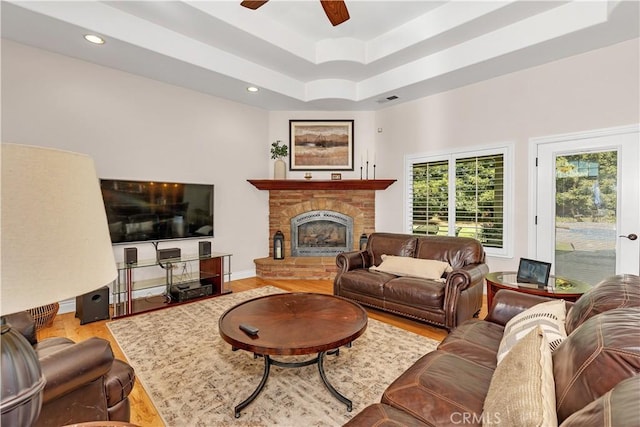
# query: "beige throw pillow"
412, 267
522, 391
548, 315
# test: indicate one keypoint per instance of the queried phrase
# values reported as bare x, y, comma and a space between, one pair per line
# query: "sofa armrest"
24, 323
463, 293
74, 366
348, 261
507, 303
469, 275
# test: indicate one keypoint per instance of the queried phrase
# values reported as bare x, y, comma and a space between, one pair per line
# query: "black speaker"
130, 255
93, 306
204, 249
169, 254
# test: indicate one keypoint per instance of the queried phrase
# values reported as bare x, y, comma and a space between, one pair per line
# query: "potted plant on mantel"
278, 151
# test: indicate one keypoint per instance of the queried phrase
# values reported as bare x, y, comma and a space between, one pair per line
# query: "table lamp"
55, 246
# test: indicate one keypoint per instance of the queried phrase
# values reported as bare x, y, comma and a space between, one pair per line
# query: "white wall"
594, 90
137, 128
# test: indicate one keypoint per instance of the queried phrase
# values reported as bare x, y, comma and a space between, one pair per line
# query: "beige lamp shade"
55, 239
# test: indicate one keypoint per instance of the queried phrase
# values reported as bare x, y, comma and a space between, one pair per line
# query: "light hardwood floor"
143, 413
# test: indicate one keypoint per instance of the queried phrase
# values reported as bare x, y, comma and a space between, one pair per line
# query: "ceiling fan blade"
253, 4
336, 11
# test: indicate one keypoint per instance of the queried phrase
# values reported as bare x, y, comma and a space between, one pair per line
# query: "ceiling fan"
336, 10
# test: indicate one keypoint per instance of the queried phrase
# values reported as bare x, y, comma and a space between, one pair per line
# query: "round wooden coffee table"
293, 324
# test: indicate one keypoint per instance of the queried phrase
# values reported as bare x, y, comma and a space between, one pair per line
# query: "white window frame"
506, 149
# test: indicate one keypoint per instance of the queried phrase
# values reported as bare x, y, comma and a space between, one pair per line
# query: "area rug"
195, 379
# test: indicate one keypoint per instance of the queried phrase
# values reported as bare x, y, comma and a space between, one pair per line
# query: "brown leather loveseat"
444, 301
84, 381
595, 370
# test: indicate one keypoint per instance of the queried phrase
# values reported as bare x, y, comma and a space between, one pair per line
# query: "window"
461, 194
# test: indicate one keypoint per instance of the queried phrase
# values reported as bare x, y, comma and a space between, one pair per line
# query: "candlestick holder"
367, 169
360, 172
374, 171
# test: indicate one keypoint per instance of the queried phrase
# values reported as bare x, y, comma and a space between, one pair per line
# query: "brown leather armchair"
85, 382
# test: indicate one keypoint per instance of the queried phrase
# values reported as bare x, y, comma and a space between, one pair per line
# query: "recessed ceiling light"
252, 89
92, 38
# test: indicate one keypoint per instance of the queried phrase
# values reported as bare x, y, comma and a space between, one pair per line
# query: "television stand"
187, 279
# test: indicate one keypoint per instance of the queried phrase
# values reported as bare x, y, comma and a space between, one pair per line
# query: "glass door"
588, 206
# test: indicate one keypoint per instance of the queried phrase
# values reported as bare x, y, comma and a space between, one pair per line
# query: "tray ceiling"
288, 49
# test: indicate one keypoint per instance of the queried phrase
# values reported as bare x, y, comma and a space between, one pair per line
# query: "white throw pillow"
522, 390
549, 316
412, 267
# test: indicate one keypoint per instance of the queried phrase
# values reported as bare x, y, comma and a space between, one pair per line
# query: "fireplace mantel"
341, 184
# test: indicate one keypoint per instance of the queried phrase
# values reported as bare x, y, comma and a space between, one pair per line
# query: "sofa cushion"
457, 251
362, 281
412, 267
614, 292
440, 389
549, 315
594, 358
24, 323
390, 244
522, 391
618, 407
475, 340
414, 292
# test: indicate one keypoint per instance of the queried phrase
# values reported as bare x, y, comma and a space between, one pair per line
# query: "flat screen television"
139, 211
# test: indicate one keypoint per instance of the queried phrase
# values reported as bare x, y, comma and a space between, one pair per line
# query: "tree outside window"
461, 195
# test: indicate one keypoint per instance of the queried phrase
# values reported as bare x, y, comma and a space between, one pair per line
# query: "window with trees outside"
462, 194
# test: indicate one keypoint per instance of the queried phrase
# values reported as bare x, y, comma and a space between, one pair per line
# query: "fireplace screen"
321, 233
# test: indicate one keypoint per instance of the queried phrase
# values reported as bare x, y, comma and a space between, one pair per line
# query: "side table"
557, 287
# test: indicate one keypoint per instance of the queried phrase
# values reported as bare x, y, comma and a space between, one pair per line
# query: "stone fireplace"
319, 219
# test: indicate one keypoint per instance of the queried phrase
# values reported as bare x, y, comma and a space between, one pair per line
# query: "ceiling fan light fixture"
92, 38
336, 10
253, 5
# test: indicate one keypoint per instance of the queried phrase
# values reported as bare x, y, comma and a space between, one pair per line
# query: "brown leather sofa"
84, 381
444, 303
596, 370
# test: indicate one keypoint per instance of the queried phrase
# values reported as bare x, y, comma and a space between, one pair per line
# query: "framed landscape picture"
320, 145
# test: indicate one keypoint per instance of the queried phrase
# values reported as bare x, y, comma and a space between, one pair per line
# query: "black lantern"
278, 245
363, 241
